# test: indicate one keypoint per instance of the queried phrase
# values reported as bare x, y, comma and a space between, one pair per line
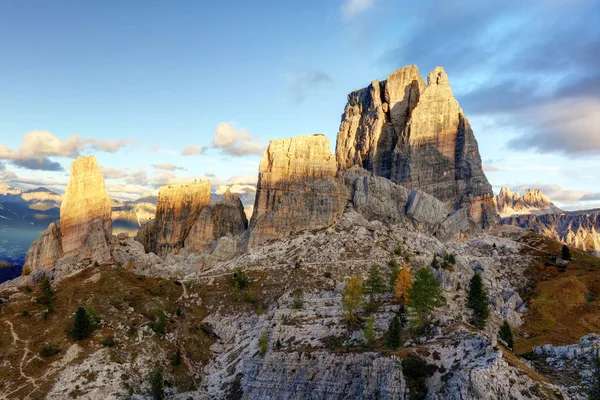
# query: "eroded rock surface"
418, 136
46, 249
297, 188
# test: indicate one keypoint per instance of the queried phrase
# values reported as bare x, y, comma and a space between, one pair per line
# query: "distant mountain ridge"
533, 201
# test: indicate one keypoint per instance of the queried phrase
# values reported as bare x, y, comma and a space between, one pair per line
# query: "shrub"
505, 334
250, 297
157, 383
25, 313
240, 279
26, 270
435, 263
46, 292
566, 253
298, 299
263, 343
478, 302
370, 331
109, 342
451, 259
82, 326
178, 312
49, 351
159, 325
278, 345
327, 274
93, 316
176, 359
96, 264
259, 310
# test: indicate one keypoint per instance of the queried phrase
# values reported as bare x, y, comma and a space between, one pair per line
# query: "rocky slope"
417, 135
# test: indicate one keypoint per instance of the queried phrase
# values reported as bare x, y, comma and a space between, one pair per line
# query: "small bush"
96, 264
49, 351
263, 343
451, 259
155, 290
109, 342
250, 297
240, 279
93, 316
157, 383
208, 329
178, 312
159, 325
26, 271
298, 299
259, 310
49, 310
278, 345
566, 253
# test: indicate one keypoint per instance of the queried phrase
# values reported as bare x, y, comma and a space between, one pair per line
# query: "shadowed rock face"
297, 188
85, 200
417, 136
45, 250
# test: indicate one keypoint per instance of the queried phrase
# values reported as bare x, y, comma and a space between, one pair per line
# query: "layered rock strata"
297, 188
418, 136
186, 219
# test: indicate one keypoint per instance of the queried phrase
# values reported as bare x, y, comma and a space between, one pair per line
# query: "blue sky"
142, 82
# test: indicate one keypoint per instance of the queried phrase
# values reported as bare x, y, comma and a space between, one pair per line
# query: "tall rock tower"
418, 136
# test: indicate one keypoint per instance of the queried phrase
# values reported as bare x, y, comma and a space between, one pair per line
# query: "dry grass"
564, 306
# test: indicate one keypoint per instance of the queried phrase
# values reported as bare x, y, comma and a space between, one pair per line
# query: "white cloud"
192, 150
352, 8
236, 142
168, 167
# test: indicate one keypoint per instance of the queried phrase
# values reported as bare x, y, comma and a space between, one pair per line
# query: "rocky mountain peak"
419, 137
533, 201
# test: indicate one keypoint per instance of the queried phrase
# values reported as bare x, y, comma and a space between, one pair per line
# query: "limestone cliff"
417, 135
46, 249
85, 201
297, 188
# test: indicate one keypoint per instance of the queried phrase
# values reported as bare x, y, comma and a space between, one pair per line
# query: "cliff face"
297, 188
85, 200
419, 137
185, 219
46, 249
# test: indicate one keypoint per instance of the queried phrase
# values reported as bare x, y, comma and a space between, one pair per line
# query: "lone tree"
298, 299
425, 295
394, 335
403, 285
157, 383
478, 302
373, 285
46, 292
505, 334
395, 271
352, 301
370, 331
566, 253
82, 326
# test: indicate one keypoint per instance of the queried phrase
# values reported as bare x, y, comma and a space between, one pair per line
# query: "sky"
166, 92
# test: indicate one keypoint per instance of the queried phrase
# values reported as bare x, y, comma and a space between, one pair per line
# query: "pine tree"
425, 295
46, 292
403, 285
566, 253
157, 383
394, 274
506, 334
298, 299
373, 285
370, 331
478, 302
82, 326
352, 300
394, 335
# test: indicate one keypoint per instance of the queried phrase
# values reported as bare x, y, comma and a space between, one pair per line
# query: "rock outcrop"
297, 188
46, 249
532, 202
85, 228
186, 219
419, 137
85, 211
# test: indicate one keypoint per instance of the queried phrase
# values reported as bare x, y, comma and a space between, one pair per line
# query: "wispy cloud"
192, 150
306, 83
168, 167
352, 8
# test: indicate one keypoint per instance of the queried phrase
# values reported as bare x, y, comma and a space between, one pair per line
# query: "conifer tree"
157, 383
82, 326
352, 300
373, 285
394, 274
506, 334
403, 285
46, 292
425, 295
370, 331
566, 253
478, 302
394, 335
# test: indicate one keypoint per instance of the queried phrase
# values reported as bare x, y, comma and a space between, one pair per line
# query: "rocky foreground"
203, 304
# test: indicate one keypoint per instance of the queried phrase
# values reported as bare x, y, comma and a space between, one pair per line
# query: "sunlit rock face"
177, 210
297, 188
45, 250
85, 201
418, 136
225, 217
532, 202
